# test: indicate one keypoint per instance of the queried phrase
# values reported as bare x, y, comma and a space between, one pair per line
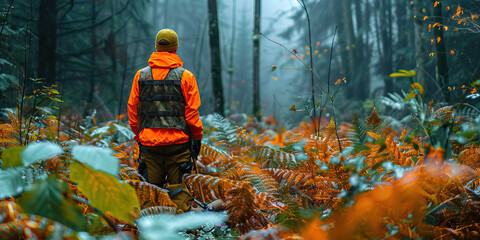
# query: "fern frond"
210, 154
224, 132
213, 188
467, 111
331, 128
394, 100
398, 157
272, 158
445, 114
150, 195
261, 180
470, 157
316, 189
243, 211
157, 210
7, 135
221, 164
374, 121
128, 173
359, 133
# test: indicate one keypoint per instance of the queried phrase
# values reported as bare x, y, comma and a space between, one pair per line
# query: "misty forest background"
323, 119
92, 49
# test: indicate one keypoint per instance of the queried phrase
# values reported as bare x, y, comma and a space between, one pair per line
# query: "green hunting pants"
166, 164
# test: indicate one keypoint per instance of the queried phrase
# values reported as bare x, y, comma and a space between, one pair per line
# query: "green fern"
269, 157
359, 133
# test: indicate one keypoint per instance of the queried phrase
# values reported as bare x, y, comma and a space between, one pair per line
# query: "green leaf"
3, 61
11, 157
7, 81
56, 99
127, 132
36, 152
104, 191
98, 158
10, 183
52, 199
168, 226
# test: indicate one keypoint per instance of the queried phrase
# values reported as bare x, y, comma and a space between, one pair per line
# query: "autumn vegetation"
410, 169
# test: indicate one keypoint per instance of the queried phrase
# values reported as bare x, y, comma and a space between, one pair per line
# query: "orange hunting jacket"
161, 62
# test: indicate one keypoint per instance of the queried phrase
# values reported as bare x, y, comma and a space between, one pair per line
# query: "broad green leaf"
11, 157
168, 226
10, 183
98, 158
52, 199
41, 151
105, 192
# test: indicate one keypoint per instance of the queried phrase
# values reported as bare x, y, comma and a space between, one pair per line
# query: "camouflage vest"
161, 102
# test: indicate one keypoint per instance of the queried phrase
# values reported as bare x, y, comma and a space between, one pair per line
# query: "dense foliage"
371, 180
409, 169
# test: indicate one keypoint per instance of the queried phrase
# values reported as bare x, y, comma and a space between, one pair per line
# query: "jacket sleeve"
192, 100
133, 103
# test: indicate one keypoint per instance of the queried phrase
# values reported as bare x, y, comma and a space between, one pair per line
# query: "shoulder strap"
146, 74
175, 74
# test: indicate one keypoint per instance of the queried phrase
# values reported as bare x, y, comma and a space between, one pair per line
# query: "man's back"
163, 113
161, 63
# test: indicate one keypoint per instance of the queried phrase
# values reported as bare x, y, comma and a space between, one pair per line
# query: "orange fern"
243, 211
150, 195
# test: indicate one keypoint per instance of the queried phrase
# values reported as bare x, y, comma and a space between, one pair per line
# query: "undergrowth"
366, 179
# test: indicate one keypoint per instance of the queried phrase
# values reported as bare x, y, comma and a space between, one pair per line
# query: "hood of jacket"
164, 60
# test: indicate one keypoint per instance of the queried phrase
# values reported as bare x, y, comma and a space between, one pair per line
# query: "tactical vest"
161, 102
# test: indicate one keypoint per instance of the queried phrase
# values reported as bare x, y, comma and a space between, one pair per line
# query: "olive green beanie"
166, 41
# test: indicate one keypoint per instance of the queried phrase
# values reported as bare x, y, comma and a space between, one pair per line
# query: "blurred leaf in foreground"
52, 199
104, 191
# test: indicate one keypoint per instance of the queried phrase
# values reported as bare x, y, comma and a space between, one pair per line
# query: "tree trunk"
92, 56
216, 63
256, 61
385, 31
347, 15
401, 12
441, 68
419, 42
231, 69
366, 50
47, 40
339, 20
362, 60
112, 46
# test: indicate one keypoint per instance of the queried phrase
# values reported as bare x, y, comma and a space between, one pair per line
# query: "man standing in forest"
163, 113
